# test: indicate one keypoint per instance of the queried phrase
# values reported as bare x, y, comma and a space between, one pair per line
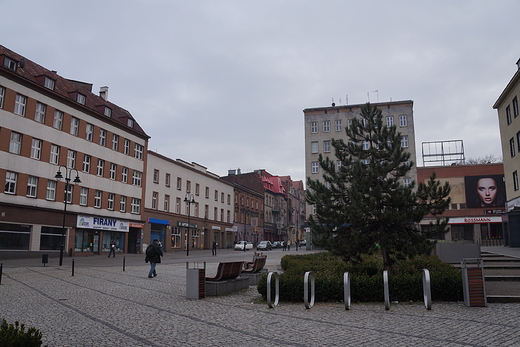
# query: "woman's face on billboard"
487, 190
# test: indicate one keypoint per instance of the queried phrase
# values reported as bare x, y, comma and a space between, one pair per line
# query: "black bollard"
1, 267
124, 262
72, 267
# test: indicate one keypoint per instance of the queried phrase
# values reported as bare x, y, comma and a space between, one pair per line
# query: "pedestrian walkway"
102, 305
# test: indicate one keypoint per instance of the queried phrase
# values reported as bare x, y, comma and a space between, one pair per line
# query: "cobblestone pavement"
106, 306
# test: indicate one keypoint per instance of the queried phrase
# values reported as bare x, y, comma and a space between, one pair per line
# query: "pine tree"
363, 207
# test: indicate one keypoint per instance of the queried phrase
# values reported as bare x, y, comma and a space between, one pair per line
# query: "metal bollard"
427, 289
45, 259
124, 262
346, 290
1, 267
72, 267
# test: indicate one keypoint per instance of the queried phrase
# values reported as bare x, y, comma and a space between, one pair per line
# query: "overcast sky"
224, 83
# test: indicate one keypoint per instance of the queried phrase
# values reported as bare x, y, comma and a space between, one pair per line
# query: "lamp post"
59, 176
245, 211
188, 199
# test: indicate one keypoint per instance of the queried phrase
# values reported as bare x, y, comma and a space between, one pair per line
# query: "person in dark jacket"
153, 255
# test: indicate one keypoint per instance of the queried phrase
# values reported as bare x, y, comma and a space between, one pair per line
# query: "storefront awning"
158, 221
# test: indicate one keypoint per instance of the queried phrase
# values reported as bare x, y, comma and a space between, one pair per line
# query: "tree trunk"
387, 261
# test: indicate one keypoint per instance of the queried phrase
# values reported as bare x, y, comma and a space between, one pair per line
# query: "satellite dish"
22, 63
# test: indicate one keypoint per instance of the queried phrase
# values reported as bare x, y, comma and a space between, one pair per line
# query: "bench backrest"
258, 264
227, 270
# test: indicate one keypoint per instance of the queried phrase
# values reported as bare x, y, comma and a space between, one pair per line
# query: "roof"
67, 89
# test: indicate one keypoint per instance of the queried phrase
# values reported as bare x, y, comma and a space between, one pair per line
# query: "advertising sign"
485, 191
102, 223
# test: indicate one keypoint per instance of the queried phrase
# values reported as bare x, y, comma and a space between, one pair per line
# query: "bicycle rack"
427, 293
346, 290
387, 294
276, 289
308, 274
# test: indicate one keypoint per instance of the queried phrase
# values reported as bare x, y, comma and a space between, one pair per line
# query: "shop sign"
471, 220
102, 223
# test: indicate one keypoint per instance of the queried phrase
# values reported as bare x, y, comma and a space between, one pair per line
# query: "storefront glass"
50, 238
85, 240
119, 239
15, 236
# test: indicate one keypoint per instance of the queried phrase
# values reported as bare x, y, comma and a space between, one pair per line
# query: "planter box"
453, 253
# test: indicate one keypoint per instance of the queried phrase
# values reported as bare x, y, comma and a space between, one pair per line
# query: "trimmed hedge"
366, 280
15, 335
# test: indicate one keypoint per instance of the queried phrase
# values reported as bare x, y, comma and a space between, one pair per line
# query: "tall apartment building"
49, 124
322, 124
509, 125
186, 204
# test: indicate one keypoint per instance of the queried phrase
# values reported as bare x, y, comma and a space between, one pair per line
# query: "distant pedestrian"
288, 245
112, 248
214, 248
284, 246
153, 255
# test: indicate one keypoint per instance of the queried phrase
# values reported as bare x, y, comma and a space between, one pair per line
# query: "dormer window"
10, 64
108, 112
80, 98
48, 83
130, 122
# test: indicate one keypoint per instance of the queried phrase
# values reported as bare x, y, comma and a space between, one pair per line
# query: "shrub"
15, 335
366, 280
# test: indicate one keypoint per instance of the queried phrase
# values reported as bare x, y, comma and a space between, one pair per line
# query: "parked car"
239, 246
303, 243
277, 244
264, 245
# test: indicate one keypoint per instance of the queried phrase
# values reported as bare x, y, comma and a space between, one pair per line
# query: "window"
216, 195
111, 198
39, 116
51, 190
518, 140
115, 142
326, 126
58, 120
136, 178
366, 145
167, 203
68, 194
10, 63
188, 186
179, 183
2, 96
100, 167
197, 189
167, 180
102, 137
55, 154
19, 105
74, 126
113, 170
389, 121
130, 122
404, 141
222, 197
136, 205
126, 147
314, 127
138, 151
508, 115
207, 193
403, 121
515, 180
155, 176
315, 167
124, 175
326, 146
314, 147
36, 149
83, 196
515, 106
229, 199
122, 203
178, 205
89, 132
86, 163
339, 125
338, 165
71, 159
81, 98
10, 182
97, 198
512, 146
108, 112
155, 196
48, 83
215, 213
407, 182
32, 185
15, 146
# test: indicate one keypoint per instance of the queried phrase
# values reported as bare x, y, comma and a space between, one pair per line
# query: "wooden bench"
257, 264
227, 270
249, 264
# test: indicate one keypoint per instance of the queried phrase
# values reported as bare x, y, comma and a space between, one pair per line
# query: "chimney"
103, 92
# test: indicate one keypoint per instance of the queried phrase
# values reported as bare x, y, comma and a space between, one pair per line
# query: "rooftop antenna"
346, 99
333, 104
377, 94
368, 96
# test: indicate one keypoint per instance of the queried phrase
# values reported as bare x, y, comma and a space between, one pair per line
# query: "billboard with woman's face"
485, 191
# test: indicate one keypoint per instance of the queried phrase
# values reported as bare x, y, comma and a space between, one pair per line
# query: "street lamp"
245, 211
59, 176
188, 199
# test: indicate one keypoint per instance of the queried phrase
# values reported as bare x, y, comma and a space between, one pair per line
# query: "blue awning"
158, 221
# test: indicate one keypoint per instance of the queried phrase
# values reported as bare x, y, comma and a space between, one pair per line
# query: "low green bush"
15, 335
366, 280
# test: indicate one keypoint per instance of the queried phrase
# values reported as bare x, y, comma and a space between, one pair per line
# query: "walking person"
112, 248
284, 246
288, 245
153, 255
214, 248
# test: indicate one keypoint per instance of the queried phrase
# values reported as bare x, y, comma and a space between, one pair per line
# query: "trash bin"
195, 282
45, 259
